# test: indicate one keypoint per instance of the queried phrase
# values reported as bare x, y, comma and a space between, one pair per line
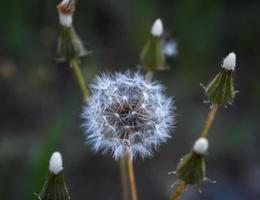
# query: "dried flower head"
66, 8
127, 115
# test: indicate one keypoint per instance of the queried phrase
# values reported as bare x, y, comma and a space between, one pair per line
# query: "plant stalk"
208, 123
131, 178
179, 190
149, 75
124, 178
80, 78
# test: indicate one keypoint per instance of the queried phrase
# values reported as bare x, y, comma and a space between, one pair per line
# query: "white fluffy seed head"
157, 28
201, 146
55, 164
127, 115
65, 19
229, 63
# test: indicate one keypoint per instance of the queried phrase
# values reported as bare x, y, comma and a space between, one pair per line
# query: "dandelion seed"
132, 120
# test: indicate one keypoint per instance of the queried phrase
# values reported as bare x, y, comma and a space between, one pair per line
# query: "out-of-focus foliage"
39, 97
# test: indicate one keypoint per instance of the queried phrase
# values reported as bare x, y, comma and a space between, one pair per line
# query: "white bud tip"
157, 28
55, 164
201, 146
64, 2
229, 63
65, 20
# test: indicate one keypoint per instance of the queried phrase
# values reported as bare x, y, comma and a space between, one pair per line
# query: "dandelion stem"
211, 116
179, 190
80, 78
149, 75
131, 178
124, 178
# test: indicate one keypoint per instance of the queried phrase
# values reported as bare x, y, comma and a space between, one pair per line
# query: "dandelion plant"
127, 116
55, 187
191, 170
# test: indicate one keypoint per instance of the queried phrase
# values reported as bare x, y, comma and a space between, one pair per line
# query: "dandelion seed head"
127, 115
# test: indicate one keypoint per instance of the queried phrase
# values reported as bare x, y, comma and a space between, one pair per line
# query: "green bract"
152, 56
54, 188
69, 44
191, 168
221, 90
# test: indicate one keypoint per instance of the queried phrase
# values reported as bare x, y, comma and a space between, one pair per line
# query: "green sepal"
221, 90
54, 188
191, 168
152, 56
69, 44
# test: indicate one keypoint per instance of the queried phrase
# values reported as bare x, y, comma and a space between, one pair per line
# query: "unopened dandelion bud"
191, 168
55, 164
157, 28
127, 115
152, 56
229, 63
221, 90
69, 44
55, 187
201, 146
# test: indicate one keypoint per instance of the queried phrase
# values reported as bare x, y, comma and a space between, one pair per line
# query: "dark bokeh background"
40, 102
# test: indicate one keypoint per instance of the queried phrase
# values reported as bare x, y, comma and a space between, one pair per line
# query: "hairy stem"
179, 190
131, 178
80, 78
124, 178
211, 116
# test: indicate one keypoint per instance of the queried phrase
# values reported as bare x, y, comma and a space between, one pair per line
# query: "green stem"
149, 75
208, 123
81, 81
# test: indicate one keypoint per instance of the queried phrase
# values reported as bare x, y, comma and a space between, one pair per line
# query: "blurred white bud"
157, 28
201, 146
229, 62
55, 164
65, 20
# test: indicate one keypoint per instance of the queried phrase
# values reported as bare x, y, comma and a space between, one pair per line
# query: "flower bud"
69, 44
66, 9
201, 146
55, 187
192, 168
152, 56
221, 90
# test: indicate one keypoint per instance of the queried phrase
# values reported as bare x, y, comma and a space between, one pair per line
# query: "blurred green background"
40, 103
